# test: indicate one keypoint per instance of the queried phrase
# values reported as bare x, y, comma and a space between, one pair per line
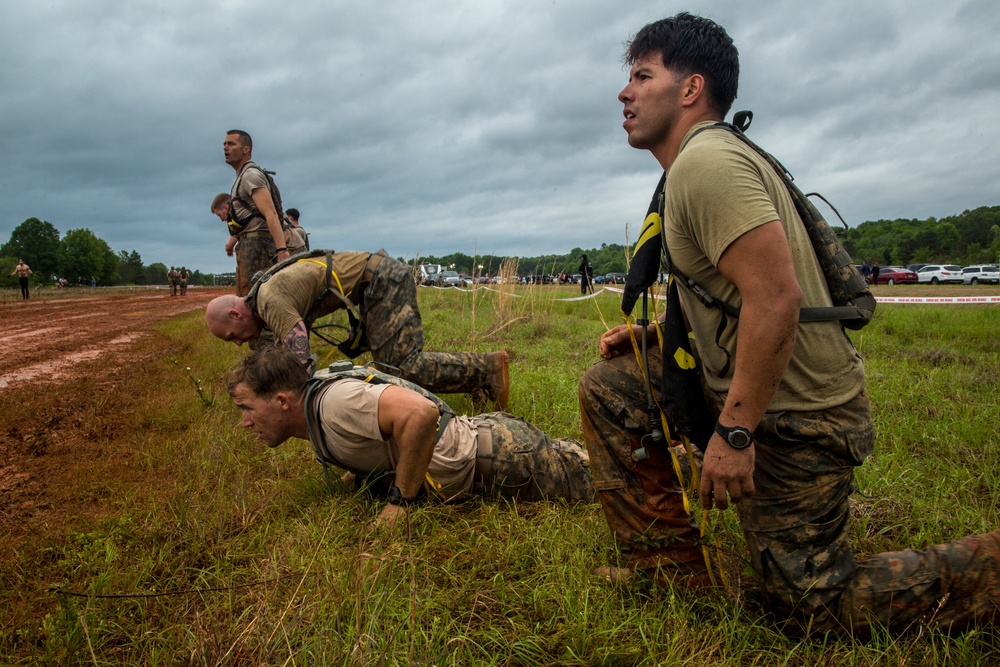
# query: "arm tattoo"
298, 342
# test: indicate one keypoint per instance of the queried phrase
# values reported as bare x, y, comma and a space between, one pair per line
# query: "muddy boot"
497, 388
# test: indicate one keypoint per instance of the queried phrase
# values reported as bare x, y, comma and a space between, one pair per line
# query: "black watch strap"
396, 497
736, 436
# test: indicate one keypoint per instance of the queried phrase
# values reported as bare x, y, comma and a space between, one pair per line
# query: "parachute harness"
659, 425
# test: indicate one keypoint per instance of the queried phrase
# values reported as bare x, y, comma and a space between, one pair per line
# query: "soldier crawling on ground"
392, 426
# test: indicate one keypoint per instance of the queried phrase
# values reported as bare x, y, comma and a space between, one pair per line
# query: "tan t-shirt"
349, 417
249, 178
718, 189
290, 293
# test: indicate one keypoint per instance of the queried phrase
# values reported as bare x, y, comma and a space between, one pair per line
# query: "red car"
893, 275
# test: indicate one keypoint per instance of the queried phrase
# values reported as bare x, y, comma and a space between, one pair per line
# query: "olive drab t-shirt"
718, 189
289, 294
348, 411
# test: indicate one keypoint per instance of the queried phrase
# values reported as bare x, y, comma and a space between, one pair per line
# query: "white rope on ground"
955, 300
939, 299
521, 296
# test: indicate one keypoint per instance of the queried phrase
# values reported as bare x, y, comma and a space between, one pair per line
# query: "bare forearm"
415, 443
767, 334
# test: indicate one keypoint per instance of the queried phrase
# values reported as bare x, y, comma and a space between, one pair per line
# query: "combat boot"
497, 387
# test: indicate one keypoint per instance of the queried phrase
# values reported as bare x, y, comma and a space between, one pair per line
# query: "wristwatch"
396, 497
737, 436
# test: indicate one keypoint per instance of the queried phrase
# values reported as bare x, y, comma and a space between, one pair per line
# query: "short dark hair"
244, 138
689, 45
223, 198
293, 213
268, 371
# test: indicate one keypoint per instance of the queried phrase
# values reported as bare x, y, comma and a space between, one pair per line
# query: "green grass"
476, 583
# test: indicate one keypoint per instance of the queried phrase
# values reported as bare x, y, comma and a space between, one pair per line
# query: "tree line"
80, 256
971, 237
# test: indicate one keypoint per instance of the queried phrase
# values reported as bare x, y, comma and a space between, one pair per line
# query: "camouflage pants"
253, 254
795, 525
396, 336
528, 465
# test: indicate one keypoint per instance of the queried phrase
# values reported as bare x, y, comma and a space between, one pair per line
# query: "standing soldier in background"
172, 278
586, 275
183, 276
256, 232
23, 271
295, 236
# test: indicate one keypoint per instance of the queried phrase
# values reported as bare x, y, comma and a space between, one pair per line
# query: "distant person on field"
22, 271
586, 275
183, 275
866, 272
875, 271
256, 231
295, 236
382, 292
173, 279
393, 427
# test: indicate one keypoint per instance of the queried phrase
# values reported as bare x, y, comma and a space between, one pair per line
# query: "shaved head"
229, 317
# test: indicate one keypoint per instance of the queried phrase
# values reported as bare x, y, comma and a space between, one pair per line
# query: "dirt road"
59, 354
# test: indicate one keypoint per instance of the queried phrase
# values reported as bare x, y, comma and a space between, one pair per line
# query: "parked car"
614, 278
939, 273
981, 273
893, 275
915, 267
450, 279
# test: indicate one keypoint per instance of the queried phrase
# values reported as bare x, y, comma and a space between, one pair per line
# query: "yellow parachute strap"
685, 497
695, 482
333, 273
433, 486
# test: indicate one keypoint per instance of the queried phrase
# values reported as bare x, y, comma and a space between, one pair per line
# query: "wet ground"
61, 355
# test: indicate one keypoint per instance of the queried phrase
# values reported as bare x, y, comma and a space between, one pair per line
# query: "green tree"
156, 274
37, 243
131, 268
83, 255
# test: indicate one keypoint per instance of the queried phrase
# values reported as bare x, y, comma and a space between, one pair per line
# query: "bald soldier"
382, 292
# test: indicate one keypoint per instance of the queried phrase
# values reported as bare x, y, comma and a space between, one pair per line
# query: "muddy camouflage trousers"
795, 525
254, 254
528, 465
396, 336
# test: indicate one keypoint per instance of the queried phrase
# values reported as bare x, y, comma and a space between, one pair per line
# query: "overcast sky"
476, 126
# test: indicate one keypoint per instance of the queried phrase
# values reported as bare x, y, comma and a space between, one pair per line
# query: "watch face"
739, 439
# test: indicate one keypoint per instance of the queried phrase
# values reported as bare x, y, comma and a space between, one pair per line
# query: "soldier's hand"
388, 517
617, 341
726, 471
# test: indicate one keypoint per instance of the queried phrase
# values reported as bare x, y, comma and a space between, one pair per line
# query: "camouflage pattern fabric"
796, 524
253, 254
396, 336
643, 503
529, 466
